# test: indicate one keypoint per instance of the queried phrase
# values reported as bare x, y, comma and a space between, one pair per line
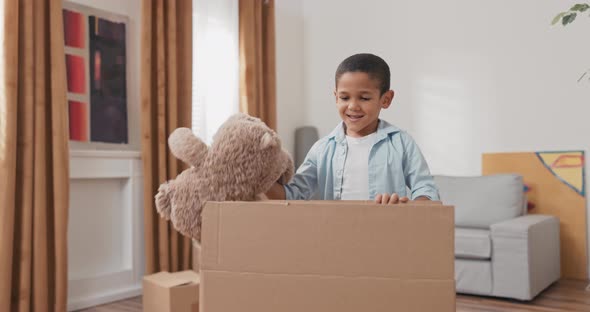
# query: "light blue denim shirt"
396, 165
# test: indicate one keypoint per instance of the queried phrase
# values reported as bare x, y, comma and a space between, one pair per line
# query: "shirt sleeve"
416, 172
305, 181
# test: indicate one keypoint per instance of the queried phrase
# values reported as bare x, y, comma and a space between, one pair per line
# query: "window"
215, 87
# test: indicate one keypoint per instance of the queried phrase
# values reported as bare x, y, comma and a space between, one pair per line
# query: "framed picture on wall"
96, 65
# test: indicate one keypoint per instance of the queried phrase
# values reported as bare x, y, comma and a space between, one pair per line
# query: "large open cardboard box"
327, 256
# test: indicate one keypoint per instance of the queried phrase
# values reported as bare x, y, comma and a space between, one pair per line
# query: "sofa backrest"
481, 201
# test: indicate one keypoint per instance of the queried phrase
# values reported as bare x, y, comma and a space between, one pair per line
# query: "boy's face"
359, 101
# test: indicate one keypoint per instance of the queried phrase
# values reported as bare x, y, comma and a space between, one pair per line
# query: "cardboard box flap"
169, 280
329, 238
188, 275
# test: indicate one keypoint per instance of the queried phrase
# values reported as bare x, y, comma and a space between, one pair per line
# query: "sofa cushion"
472, 244
481, 201
473, 277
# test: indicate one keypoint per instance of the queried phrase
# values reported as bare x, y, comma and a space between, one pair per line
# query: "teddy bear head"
244, 152
244, 160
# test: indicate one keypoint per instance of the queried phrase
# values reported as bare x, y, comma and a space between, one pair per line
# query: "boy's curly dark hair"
367, 63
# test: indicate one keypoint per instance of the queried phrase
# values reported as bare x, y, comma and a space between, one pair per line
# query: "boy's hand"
385, 199
277, 191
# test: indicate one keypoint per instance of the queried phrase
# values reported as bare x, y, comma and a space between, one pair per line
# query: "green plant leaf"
568, 18
557, 18
581, 7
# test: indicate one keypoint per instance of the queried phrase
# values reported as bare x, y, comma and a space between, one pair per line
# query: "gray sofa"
500, 250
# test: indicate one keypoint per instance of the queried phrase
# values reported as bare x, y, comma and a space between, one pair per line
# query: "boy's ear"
386, 99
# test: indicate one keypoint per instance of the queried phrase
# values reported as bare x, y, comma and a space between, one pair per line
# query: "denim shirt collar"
384, 129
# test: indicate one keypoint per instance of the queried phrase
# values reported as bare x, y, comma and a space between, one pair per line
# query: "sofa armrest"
525, 255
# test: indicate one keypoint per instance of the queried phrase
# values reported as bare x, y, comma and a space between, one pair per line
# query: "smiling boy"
364, 157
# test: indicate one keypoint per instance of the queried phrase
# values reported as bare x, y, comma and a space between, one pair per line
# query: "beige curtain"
34, 174
257, 60
166, 69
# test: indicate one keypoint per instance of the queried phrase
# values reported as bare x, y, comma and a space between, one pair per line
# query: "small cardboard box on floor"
171, 292
327, 256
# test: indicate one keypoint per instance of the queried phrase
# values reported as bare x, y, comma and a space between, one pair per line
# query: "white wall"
470, 76
289, 66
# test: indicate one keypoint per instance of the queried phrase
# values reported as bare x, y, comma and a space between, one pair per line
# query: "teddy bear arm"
163, 200
187, 206
187, 147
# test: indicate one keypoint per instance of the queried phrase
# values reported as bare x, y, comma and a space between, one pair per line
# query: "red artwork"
74, 29
78, 121
76, 74
95, 52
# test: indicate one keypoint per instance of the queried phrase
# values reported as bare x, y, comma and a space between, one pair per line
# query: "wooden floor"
565, 295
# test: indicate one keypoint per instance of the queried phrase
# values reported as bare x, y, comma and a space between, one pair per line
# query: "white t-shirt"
355, 184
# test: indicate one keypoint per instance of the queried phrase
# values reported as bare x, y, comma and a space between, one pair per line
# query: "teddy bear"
244, 160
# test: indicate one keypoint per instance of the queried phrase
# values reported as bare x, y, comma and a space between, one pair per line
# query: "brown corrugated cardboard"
327, 256
196, 255
166, 292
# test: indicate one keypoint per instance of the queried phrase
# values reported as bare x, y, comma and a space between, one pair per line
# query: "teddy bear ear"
268, 140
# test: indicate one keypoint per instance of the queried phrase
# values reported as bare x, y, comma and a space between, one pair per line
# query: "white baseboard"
105, 297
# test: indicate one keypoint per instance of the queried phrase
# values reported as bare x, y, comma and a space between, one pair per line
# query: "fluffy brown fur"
244, 161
